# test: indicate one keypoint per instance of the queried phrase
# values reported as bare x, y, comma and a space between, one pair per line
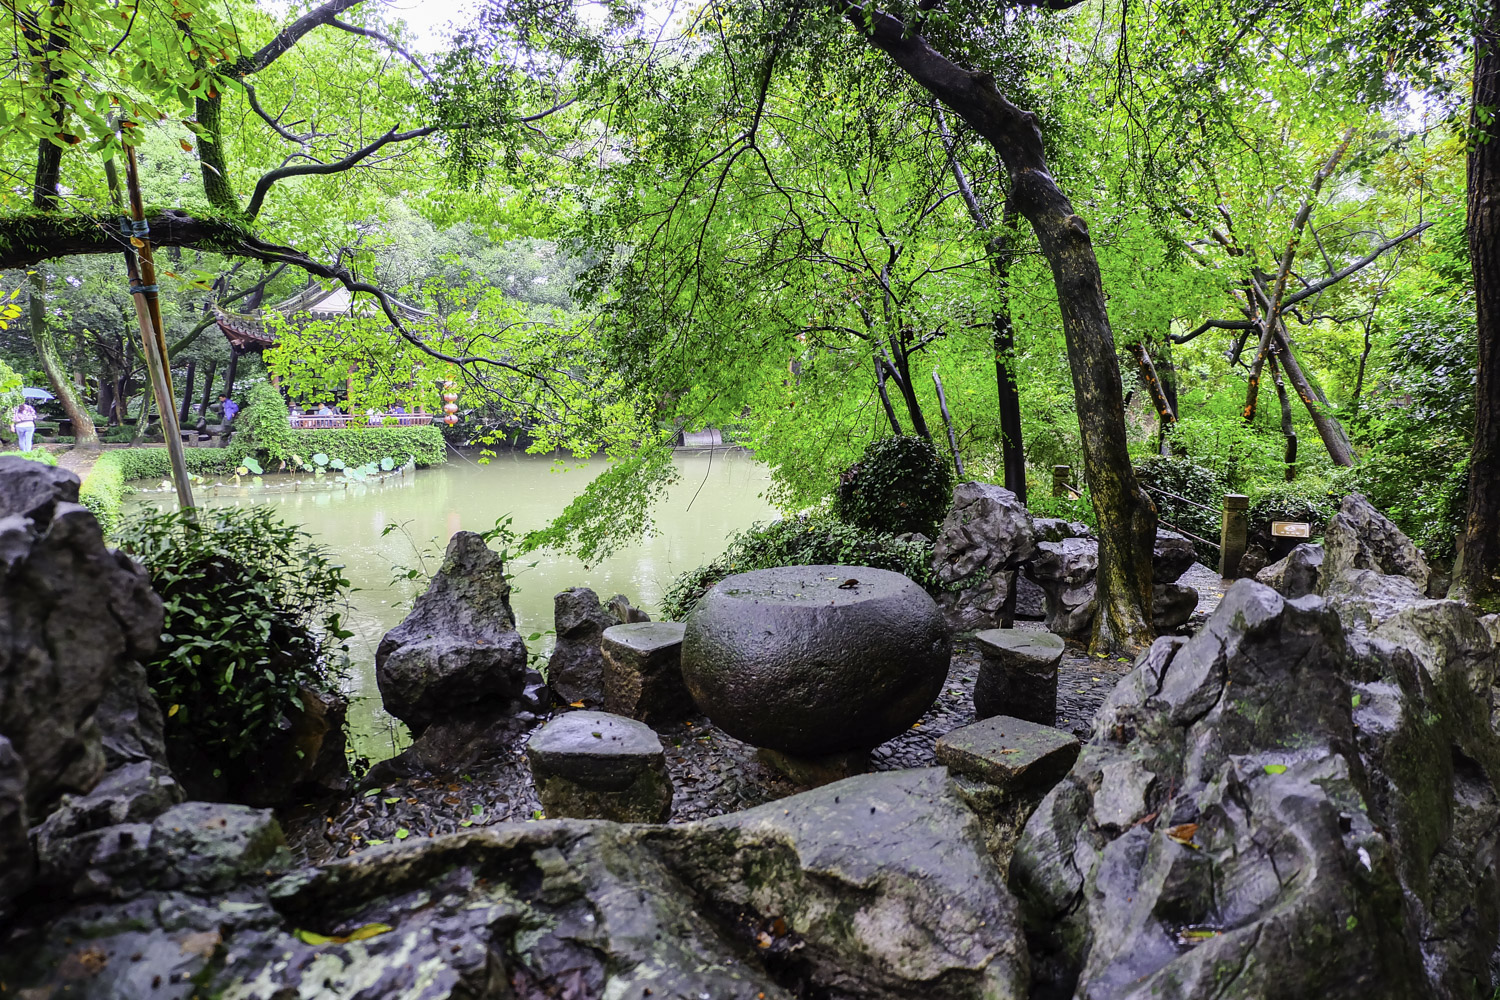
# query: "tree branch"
290, 36
372, 33
1213, 324
1337, 276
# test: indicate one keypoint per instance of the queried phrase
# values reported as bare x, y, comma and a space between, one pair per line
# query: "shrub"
1181, 491
35, 455
900, 484
800, 541
253, 614
1309, 500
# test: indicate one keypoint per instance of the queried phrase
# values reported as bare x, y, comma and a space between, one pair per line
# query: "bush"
253, 614
270, 435
104, 488
1192, 488
35, 455
800, 541
899, 485
1309, 500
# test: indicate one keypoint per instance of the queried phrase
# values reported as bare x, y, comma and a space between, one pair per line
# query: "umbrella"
41, 394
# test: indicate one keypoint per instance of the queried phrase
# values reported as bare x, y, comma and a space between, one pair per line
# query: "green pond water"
718, 494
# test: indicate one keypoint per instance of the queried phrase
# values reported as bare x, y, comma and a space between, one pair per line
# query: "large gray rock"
1171, 556
1018, 674
1359, 537
1172, 604
1365, 599
877, 887
643, 672
576, 670
458, 652
17, 863
985, 536
1270, 810
815, 660
73, 615
1297, 574
1065, 571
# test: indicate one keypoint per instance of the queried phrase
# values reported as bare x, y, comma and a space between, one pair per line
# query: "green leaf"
403, 833
1275, 768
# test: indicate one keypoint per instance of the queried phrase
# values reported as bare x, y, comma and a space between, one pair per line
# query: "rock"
986, 534
210, 846
643, 672
1055, 529
1364, 599
1255, 559
1018, 675
815, 660
1172, 604
17, 864
306, 759
92, 842
450, 747
593, 765
1280, 803
576, 670
1360, 537
1492, 625
814, 772
458, 652
73, 614
1297, 574
131, 726
1171, 557
1031, 601
624, 611
1065, 571
1010, 753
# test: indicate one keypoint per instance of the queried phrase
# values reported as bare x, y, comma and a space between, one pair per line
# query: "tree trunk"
208, 388
211, 161
234, 366
1476, 576
85, 435
1127, 518
1288, 429
1329, 428
885, 397
187, 393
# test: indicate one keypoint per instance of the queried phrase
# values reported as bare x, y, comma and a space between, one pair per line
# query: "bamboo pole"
140, 267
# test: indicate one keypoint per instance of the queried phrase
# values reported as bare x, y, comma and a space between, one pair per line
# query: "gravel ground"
712, 772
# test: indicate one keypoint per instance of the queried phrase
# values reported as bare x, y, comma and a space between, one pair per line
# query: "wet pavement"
712, 773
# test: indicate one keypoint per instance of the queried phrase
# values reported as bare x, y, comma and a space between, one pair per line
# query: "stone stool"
1009, 753
643, 672
1018, 676
593, 765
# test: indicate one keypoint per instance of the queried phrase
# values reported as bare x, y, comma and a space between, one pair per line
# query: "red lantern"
450, 420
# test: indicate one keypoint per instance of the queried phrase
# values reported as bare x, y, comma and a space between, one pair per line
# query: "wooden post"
187, 394
1060, 476
141, 269
208, 388
1234, 535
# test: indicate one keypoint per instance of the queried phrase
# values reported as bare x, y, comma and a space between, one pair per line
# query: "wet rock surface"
594, 765
576, 669
1296, 574
815, 660
987, 534
458, 653
1065, 570
643, 672
1018, 675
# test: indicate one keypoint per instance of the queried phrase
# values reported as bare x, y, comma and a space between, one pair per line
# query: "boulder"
457, 652
1275, 808
1297, 574
1018, 674
877, 887
17, 863
1492, 625
1172, 604
815, 660
1065, 571
1055, 529
1031, 601
74, 615
985, 536
1365, 599
1171, 556
576, 670
1359, 537
643, 672
593, 765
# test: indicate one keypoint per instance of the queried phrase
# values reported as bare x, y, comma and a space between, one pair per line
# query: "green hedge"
35, 455
358, 445
104, 488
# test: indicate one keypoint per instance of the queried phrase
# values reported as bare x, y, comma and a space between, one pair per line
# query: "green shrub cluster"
1181, 490
105, 487
34, 455
900, 484
355, 446
253, 615
1309, 500
800, 541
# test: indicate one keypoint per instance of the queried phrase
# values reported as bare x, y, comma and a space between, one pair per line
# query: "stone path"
712, 772
79, 461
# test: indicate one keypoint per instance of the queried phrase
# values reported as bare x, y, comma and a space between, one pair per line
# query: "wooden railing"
312, 422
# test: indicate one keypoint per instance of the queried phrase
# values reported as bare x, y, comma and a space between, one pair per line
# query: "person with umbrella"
23, 422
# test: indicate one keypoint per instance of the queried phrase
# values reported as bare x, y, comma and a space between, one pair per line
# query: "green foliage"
357, 446
1041, 503
252, 617
34, 455
899, 485
1192, 488
615, 506
800, 541
1309, 500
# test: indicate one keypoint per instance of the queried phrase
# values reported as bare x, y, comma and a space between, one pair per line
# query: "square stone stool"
643, 672
593, 765
1018, 676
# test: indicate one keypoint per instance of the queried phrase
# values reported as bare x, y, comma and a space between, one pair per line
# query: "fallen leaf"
1183, 833
849, 584
1276, 769
203, 943
575, 704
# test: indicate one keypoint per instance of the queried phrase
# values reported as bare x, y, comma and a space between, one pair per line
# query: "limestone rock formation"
986, 535
458, 652
625, 613
576, 670
1172, 604
822, 894
1065, 571
1274, 808
1360, 537
1171, 556
1297, 574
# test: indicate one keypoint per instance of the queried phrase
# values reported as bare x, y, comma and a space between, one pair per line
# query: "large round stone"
815, 660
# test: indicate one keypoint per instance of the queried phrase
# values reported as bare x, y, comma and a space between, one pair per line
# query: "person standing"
23, 422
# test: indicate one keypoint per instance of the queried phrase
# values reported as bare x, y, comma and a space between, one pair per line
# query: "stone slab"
1009, 752
1023, 642
645, 638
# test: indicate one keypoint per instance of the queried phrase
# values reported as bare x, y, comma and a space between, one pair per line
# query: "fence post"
1234, 535
1060, 476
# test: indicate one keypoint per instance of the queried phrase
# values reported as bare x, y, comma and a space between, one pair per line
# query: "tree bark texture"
1127, 518
85, 434
1476, 576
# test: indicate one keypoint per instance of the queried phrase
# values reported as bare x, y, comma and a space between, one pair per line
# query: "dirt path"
79, 461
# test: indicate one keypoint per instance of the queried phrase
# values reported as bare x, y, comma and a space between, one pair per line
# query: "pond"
718, 494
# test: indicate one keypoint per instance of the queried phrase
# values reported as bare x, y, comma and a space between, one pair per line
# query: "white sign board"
1291, 529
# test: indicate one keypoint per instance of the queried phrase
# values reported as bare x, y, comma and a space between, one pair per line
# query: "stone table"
593, 765
815, 661
1019, 674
